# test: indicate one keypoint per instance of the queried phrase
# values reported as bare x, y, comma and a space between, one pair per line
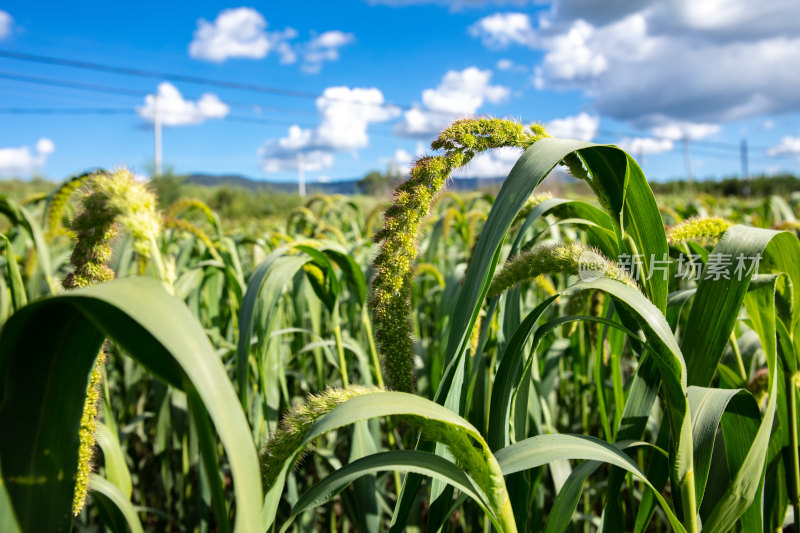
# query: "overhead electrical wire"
264, 89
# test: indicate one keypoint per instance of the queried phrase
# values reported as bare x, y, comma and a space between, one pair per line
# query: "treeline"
781, 184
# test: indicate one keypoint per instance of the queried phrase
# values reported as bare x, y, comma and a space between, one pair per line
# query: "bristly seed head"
391, 287
698, 229
556, 258
112, 199
291, 432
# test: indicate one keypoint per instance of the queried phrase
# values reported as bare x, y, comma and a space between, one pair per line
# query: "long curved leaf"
44, 378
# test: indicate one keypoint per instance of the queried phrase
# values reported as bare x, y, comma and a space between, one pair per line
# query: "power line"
109, 89
699, 147
132, 111
198, 80
65, 110
54, 82
702, 150
86, 65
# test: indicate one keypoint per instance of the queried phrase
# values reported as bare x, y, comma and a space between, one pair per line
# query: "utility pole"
157, 136
745, 167
301, 177
687, 164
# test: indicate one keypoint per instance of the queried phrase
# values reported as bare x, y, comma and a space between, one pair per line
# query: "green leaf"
544, 449
748, 480
44, 391
18, 296
114, 505
426, 464
113, 459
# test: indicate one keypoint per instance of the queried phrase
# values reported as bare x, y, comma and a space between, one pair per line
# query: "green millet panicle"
188, 227
556, 258
94, 228
283, 444
134, 206
185, 204
391, 287
86, 435
477, 461
291, 432
112, 200
698, 229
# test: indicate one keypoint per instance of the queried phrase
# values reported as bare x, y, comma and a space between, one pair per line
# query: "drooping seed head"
112, 200
133, 204
556, 258
284, 442
391, 287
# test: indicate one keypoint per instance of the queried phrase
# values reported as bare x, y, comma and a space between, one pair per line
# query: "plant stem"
376, 367
619, 391
337, 334
738, 354
791, 386
689, 501
373, 352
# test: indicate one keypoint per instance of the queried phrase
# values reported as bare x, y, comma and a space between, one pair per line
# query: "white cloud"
345, 116
324, 47
464, 91
504, 29
45, 146
460, 93
638, 146
240, 32
494, 164
346, 113
6, 23
174, 110
22, 161
582, 127
509, 66
788, 146
678, 130
332, 39
641, 61
504, 64
768, 124
571, 57
455, 5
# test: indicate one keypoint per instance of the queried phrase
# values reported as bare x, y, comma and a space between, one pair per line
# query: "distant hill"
235, 180
348, 186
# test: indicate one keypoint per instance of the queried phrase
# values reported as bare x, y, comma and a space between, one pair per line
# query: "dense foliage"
557, 364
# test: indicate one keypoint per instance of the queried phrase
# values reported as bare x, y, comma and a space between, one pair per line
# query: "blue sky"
379, 78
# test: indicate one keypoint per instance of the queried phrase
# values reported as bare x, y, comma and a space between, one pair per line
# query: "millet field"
441, 361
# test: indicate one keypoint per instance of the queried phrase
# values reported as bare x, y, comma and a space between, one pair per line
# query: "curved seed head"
557, 258
285, 441
394, 265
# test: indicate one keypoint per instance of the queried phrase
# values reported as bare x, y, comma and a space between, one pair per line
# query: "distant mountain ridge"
347, 186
